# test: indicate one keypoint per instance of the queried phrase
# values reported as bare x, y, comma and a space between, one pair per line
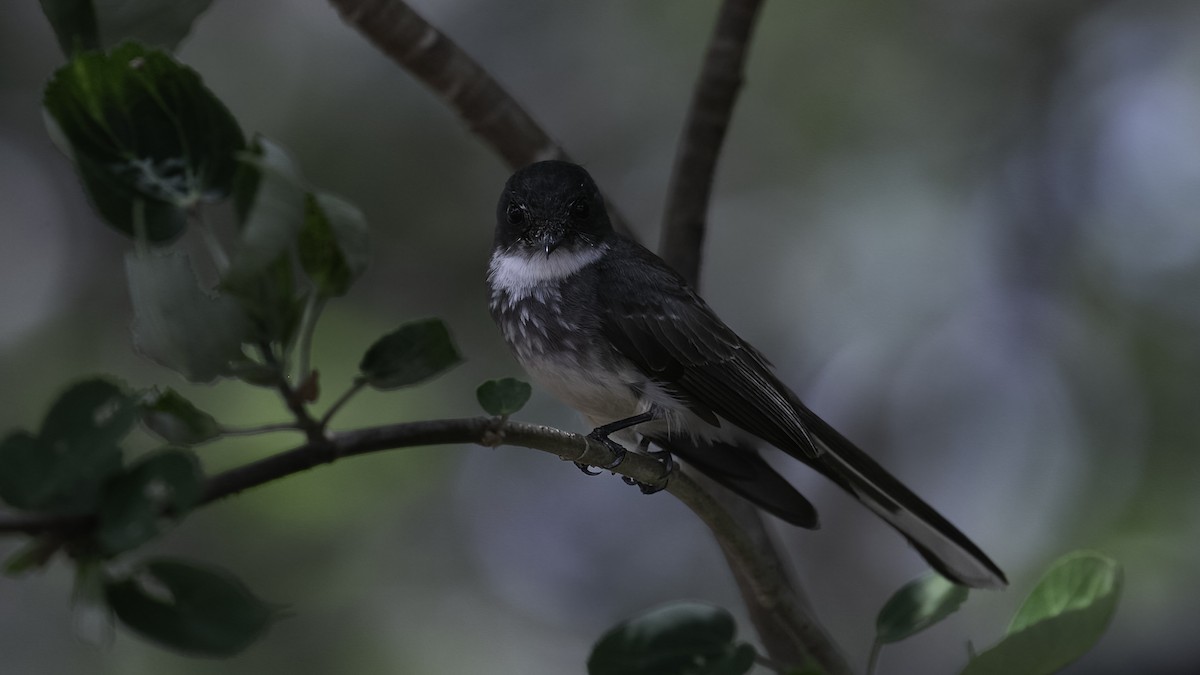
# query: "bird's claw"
614, 447
587, 469
669, 468
600, 435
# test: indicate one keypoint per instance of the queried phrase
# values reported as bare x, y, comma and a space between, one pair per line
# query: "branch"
707, 121
760, 575
433, 58
437, 61
777, 604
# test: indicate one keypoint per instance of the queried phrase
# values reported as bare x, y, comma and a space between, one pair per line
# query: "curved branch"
708, 117
761, 575
434, 59
437, 61
777, 604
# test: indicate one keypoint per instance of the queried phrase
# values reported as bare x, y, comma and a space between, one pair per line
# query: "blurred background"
969, 232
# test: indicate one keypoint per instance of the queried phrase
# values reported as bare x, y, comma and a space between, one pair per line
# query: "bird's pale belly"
602, 396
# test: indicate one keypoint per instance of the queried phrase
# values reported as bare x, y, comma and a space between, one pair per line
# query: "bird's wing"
677, 340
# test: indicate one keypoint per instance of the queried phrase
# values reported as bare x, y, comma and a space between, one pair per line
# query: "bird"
609, 328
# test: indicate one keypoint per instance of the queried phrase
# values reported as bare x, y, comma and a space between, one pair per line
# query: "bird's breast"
559, 342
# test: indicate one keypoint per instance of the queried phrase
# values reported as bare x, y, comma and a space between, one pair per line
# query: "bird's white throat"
518, 273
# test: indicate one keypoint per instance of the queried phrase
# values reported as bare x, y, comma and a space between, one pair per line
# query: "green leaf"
414, 353
269, 200
27, 471
1062, 619
920, 604
149, 139
116, 202
503, 397
257, 374
191, 609
271, 301
176, 420
135, 504
74, 24
62, 469
95, 413
679, 639
334, 246
270, 205
177, 323
1077, 580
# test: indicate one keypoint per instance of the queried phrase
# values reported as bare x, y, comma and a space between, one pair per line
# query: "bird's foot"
618, 450
600, 435
669, 467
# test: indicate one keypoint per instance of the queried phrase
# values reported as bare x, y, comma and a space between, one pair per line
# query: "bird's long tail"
942, 545
744, 471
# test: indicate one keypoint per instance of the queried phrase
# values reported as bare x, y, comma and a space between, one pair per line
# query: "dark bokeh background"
966, 231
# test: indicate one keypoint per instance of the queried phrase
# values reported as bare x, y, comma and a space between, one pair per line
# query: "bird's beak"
549, 238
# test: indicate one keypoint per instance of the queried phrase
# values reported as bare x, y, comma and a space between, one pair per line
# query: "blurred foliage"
988, 205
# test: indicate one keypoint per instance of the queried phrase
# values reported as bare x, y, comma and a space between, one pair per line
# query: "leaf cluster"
156, 151
1065, 614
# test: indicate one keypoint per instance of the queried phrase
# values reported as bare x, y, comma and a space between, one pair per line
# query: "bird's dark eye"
515, 214
579, 208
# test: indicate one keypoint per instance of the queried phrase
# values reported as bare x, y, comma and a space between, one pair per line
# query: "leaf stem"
308, 326
261, 429
873, 659
311, 427
358, 385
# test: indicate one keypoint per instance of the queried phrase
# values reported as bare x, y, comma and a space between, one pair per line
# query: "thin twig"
438, 62
304, 420
682, 238
358, 385
873, 659
308, 325
258, 430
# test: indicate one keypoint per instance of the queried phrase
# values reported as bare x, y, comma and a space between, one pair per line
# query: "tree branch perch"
741, 550
439, 63
682, 241
777, 604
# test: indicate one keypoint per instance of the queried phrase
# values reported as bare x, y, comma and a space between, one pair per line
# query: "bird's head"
550, 206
